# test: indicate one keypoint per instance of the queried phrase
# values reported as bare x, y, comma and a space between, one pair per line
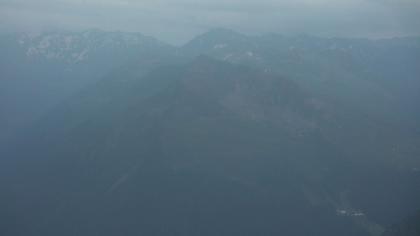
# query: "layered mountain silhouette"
194, 143
38, 71
383, 72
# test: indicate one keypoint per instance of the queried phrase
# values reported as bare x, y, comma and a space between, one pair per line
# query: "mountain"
120, 134
409, 227
38, 71
207, 148
383, 73
41, 70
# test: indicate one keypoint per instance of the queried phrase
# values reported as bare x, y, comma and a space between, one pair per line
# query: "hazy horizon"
210, 117
178, 21
187, 40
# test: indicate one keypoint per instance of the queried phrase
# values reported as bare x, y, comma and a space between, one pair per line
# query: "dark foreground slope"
207, 149
408, 227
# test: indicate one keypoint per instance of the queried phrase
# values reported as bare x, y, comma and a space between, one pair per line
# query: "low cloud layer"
178, 20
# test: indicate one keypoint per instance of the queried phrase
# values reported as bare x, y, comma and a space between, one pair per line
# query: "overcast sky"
176, 21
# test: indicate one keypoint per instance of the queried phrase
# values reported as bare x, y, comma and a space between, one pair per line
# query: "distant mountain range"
39, 71
228, 135
76, 47
384, 73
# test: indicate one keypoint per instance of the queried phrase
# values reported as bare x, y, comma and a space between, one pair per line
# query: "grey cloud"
179, 20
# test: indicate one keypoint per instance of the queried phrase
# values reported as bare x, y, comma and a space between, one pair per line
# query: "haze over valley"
267, 132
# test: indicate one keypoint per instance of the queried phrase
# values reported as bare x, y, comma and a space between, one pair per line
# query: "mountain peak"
74, 47
219, 39
223, 32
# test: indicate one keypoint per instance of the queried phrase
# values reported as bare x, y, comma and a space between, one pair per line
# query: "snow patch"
45, 43
355, 213
81, 56
227, 57
219, 46
68, 40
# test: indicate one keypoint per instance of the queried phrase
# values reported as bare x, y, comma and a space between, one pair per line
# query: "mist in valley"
183, 117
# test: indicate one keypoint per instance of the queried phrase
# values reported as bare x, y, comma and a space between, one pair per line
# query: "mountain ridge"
204, 145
